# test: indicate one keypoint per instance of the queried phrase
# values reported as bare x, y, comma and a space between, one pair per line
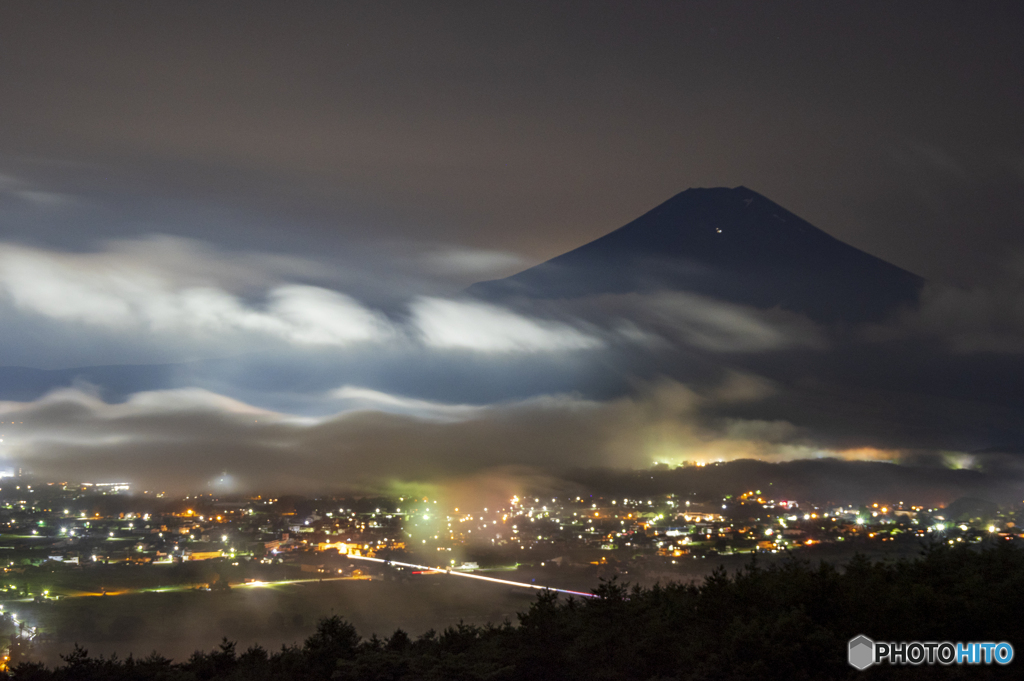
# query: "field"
157, 607
180, 621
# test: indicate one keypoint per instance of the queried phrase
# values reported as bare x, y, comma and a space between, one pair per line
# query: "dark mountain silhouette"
730, 244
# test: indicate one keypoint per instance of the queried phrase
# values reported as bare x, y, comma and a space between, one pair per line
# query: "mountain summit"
730, 244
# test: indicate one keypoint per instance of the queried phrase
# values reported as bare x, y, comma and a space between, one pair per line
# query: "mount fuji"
731, 244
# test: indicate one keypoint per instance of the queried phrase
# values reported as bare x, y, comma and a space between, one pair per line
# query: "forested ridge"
786, 621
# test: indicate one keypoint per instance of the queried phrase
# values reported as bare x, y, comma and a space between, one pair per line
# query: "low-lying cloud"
177, 440
481, 327
129, 298
292, 383
164, 302
967, 320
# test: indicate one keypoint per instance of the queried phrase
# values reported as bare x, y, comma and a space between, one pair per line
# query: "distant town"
67, 540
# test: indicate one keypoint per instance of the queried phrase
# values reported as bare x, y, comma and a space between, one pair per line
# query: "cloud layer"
288, 381
175, 439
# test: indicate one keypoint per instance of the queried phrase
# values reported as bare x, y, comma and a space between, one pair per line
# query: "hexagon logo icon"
862, 652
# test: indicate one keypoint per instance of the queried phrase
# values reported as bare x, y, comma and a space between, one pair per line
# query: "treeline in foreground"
788, 621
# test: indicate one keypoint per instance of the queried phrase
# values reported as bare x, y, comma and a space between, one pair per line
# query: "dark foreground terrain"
789, 620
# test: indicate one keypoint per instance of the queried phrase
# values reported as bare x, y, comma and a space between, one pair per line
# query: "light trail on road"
282, 582
495, 580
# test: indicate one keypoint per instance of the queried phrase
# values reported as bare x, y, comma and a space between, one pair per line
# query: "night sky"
271, 211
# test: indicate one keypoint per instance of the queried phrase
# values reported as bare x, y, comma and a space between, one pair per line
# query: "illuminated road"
187, 587
468, 575
28, 633
31, 632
